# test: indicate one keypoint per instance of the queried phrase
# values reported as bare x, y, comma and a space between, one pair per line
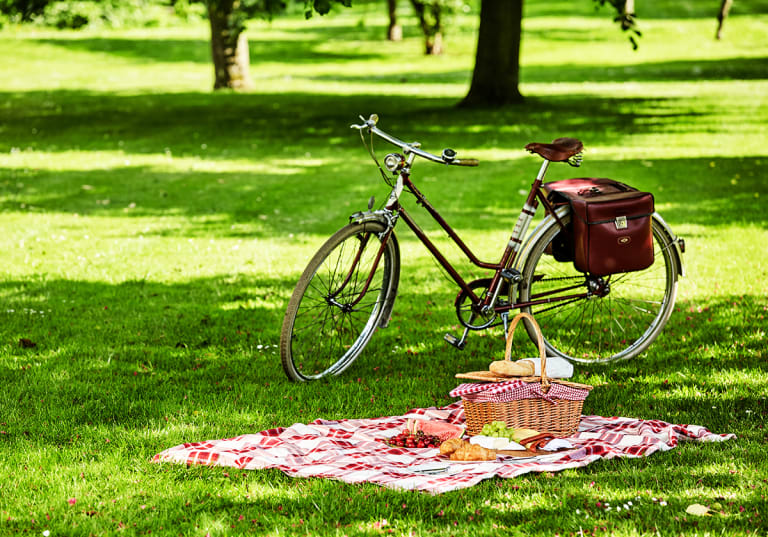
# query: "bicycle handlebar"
448, 156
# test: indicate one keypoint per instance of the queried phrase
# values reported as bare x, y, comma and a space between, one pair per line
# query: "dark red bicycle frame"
535, 196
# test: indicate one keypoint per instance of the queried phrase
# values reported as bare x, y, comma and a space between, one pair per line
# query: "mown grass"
152, 232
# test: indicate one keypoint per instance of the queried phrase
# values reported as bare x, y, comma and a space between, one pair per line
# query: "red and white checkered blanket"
348, 450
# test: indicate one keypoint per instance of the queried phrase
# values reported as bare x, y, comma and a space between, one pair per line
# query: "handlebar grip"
466, 162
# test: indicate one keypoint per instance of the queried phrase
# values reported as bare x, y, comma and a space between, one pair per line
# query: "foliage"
626, 19
433, 14
23, 10
322, 6
75, 14
152, 231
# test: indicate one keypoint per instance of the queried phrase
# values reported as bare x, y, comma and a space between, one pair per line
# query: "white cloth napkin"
557, 368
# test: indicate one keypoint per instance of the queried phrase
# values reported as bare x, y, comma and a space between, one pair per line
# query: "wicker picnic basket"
556, 411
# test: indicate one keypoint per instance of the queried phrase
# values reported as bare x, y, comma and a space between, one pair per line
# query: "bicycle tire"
322, 332
617, 326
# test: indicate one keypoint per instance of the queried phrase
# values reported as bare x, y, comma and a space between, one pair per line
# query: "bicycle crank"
472, 316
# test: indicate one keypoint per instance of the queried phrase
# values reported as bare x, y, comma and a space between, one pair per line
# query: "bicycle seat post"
542, 170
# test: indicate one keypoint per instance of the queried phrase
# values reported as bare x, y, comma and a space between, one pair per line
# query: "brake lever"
367, 123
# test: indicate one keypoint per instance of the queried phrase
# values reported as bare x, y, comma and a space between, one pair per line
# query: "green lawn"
152, 232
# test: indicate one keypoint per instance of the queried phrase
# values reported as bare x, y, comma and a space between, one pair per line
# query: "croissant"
451, 445
473, 452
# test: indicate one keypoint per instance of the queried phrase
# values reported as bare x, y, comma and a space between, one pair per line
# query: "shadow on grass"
307, 50
280, 139
294, 51
166, 364
285, 198
317, 505
684, 71
127, 354
229, 125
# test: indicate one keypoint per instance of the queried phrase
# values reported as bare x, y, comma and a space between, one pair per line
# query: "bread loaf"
506, 368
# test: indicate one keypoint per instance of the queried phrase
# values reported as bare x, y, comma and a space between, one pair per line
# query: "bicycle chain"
559, 279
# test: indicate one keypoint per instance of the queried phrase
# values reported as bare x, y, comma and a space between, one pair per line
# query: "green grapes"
498, 429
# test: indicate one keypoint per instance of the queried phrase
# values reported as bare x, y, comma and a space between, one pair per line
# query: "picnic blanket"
351, 450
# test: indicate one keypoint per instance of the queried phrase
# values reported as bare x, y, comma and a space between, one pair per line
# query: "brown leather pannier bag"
611, 225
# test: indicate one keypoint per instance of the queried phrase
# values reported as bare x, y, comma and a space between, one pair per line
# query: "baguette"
473, 452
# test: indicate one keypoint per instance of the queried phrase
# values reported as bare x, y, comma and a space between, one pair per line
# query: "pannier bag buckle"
621, 222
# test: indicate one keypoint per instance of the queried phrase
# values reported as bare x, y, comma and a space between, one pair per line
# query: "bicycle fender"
676, 243
387, 220
544, 225
386, 310
384, 217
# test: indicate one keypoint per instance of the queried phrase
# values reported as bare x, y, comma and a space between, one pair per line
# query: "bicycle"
349, 287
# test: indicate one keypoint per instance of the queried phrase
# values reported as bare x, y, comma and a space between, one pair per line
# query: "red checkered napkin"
513, 390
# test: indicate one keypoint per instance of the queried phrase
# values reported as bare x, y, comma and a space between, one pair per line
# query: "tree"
496, 76
394, 31
430, 15
229, 44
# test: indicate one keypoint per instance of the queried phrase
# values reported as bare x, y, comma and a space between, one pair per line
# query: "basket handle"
539, 342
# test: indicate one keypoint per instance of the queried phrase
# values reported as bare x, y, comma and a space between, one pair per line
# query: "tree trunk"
431, 21
725, 7
435, 44
229, 46
496, 76
628, 14
395, 31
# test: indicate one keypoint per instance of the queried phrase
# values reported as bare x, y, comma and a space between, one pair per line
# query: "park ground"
152, 232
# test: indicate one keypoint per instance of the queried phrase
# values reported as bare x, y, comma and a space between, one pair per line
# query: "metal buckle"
621, 222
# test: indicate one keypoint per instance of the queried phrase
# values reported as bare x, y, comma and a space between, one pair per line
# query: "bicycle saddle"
559, 150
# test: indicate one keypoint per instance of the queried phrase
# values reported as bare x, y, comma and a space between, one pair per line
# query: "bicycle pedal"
456, 342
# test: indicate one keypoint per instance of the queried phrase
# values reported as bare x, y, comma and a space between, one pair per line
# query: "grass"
152, 232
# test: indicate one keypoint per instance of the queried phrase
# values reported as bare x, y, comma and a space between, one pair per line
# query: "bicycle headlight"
394, 161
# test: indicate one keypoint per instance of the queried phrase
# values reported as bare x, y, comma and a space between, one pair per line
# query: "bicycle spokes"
337, 305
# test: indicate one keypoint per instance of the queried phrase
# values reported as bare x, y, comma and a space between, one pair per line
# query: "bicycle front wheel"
339, 301
598, 319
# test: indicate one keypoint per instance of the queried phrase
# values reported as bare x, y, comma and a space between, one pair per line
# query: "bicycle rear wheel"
607, 318
336, 308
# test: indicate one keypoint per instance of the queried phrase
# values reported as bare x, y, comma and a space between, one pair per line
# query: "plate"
430, 468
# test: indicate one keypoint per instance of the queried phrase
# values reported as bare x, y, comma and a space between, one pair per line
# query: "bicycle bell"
449, 155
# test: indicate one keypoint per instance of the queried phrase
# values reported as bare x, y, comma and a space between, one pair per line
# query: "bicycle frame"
501, 270
535, 196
